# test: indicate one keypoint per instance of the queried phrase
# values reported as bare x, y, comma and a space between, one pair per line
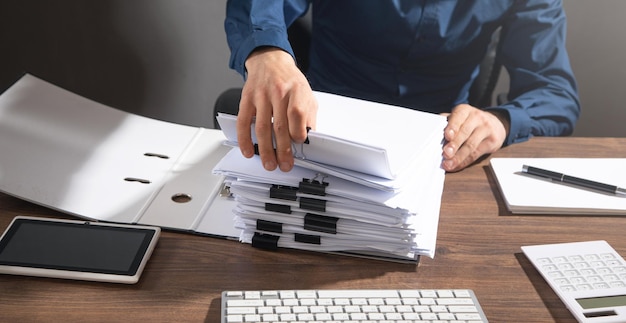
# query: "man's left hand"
470, 134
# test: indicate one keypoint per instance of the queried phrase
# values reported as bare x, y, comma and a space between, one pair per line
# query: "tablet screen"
75, 246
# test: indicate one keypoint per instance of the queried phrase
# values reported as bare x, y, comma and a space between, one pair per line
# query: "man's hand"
470, 134
280, 97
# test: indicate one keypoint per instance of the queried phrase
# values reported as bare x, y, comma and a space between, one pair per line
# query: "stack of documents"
367, 182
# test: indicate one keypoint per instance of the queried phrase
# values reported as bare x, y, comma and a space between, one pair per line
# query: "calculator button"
587, 272
584, 287
597, 263
568, 288
555, 274
581, 265
617, 284
591, 257
607, 256
601, 286
575, 258
559, 259
565, 266
549, 268
619, 269
561, 281
577, 280
594, 279
544, 261
604, 270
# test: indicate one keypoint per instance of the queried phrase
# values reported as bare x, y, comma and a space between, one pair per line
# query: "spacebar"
357, 293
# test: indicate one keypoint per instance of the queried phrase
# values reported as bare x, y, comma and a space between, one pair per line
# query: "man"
420, 54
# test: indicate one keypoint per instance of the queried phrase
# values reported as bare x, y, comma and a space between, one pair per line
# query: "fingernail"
269, 165
449, 164
285, 166
247, 153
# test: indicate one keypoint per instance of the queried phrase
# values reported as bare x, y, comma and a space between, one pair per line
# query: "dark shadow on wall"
73, 44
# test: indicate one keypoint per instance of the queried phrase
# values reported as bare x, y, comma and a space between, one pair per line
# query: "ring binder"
265, 241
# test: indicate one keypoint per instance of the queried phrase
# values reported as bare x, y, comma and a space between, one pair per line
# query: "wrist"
503, 116
265, 54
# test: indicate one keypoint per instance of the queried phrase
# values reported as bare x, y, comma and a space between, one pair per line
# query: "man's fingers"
283, 153
244, 127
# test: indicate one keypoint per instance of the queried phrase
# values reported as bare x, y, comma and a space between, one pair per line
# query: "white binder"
78, 156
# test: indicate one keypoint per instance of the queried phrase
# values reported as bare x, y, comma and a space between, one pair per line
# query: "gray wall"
597, 45
167, 59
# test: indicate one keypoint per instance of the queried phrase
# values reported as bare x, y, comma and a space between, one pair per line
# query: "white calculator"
589, 277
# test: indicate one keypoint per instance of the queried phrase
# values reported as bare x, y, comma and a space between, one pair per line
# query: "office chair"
480, 94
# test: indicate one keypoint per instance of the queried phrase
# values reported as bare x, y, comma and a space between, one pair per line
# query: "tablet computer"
73, 249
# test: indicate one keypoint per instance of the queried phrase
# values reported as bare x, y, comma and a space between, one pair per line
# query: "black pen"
574, 181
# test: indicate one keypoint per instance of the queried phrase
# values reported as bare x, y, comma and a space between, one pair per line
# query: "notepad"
525, 194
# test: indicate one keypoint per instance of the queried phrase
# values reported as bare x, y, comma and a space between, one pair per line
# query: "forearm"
543, 97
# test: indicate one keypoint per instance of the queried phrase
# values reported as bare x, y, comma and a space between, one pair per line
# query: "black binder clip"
286, 209
313, 186
307, 203
320, 223
265, 241
269, 226
306, 141
307, 238
283, 192
256, 149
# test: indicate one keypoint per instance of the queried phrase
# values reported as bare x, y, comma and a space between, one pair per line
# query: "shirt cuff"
271, 37
519, 130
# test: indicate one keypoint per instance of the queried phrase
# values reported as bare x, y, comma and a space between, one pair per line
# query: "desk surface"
478, 248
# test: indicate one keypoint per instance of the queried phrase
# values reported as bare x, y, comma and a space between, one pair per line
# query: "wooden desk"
478, 248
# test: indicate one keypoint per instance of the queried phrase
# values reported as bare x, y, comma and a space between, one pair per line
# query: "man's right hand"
279, 96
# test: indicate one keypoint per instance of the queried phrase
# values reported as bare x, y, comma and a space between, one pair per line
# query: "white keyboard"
416, 305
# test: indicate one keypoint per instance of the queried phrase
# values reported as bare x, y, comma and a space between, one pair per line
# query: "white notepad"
531, 195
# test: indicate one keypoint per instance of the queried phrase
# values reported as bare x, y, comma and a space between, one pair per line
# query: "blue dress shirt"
424, 54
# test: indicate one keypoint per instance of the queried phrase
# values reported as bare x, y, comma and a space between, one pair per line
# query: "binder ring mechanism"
178, 197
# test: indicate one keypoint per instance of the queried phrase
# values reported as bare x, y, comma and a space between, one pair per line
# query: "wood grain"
478, 248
